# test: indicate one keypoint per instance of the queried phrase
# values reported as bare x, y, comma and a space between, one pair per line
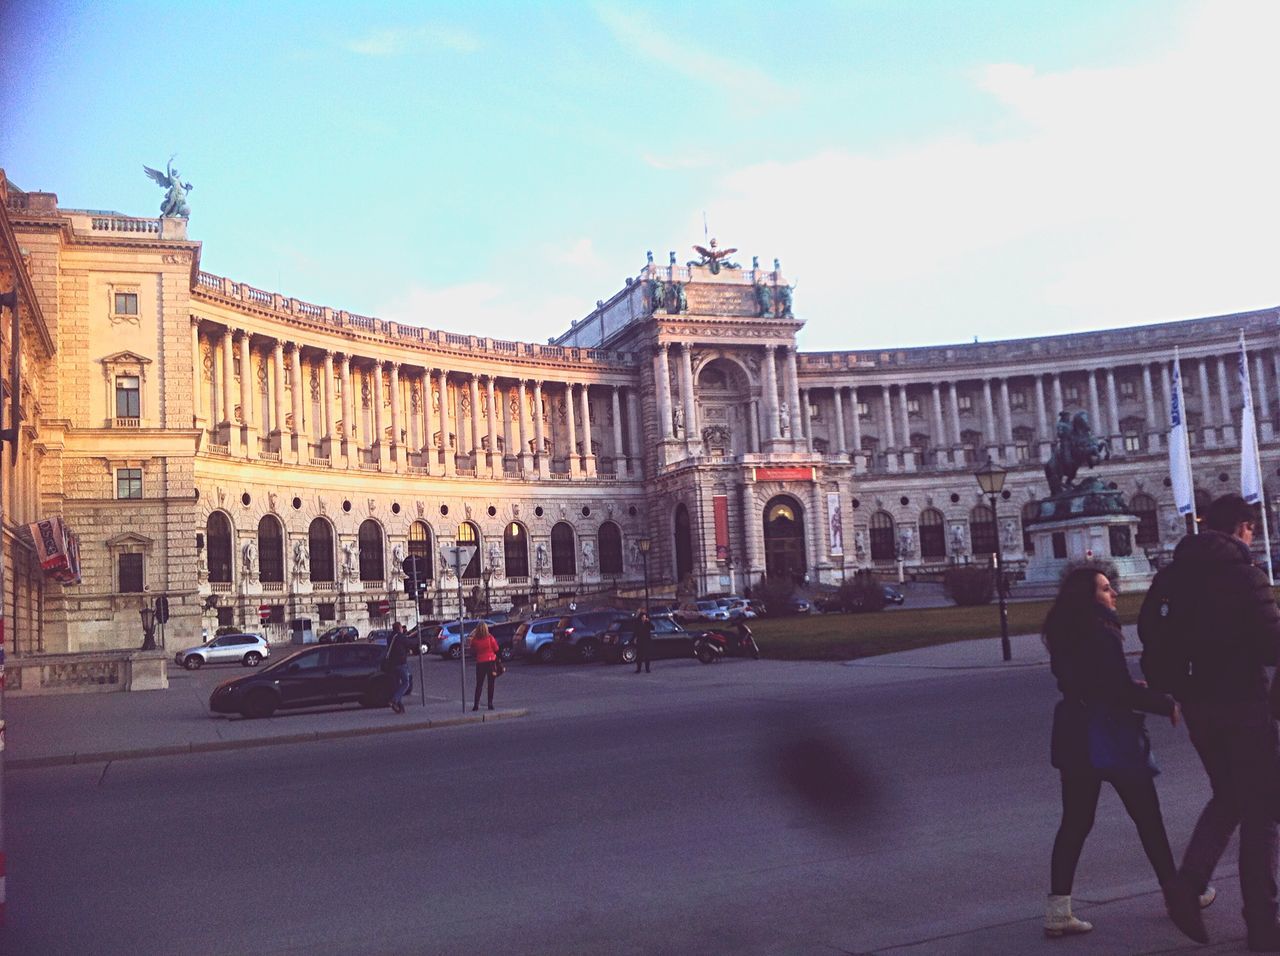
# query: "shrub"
969, 584
862, 593
226, 629
776, 593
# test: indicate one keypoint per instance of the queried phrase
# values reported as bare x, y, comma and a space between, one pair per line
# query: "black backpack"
1165, 629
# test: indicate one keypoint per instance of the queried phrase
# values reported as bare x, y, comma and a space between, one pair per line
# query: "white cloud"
695, 160
483, 308
395, 41
1122, 195
581, 253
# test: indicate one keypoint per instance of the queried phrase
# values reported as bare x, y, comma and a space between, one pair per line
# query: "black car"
505, 635
670, 639
893, 596
334, 674
577, 636
342, 634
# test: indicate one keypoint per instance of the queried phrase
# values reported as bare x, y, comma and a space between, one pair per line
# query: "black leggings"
482, 671
1080, 791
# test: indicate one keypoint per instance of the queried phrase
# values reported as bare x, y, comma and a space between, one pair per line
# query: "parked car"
379, 635
577, 636
670, 639
505, 634
712, 611
737, 607
334, 674
799, 605
422, 637
448, 642
893, 596
342, 634
533, 639
247, 649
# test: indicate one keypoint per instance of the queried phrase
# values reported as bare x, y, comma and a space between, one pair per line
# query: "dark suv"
342, 634
670, 639
577, 636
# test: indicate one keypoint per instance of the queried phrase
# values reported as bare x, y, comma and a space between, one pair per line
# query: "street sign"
415, 567
384, 608
264, 613
460, 556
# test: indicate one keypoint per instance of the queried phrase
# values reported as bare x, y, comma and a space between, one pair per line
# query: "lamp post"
148, 615
991, 480
487, 576
643, 544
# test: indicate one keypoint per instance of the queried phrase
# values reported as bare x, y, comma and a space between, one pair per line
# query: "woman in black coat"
1086, 652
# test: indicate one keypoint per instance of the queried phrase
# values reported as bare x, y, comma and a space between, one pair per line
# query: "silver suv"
246, 649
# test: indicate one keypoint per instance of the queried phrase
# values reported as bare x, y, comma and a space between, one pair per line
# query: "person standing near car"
644, 641
397, 662
485, 647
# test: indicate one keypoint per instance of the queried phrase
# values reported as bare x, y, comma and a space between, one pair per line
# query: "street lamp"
991, 480
487, 575
643, 544
148, 614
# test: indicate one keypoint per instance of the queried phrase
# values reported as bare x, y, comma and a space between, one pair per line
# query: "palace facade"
247, 453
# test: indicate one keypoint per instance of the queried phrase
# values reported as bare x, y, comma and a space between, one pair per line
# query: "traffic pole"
462, 640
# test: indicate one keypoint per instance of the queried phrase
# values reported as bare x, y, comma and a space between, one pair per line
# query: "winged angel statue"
175, 197
715, 259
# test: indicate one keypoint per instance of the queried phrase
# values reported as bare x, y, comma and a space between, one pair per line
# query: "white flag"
1250, 476
1179, 452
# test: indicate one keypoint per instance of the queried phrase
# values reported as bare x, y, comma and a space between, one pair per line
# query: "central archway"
784, 551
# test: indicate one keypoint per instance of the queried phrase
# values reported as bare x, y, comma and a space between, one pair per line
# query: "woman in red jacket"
485, 647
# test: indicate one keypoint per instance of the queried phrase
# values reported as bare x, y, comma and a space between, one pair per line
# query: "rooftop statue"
715, 259
175, 197
1076, 446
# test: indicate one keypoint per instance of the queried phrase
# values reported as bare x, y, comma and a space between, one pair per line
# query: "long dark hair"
1073, 608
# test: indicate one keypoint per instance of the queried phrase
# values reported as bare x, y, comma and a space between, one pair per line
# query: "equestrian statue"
1076, 446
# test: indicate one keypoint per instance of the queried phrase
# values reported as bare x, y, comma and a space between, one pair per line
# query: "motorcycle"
711, 646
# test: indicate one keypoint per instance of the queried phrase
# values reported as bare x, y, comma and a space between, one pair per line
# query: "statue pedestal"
1088, 523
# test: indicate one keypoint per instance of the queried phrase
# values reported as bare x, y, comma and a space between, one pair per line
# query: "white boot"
1058, 920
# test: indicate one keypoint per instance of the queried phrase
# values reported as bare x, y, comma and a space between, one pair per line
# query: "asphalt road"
744, 808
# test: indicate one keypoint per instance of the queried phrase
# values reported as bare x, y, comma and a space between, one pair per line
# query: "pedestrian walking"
1097, 737
485, 647
1219, 608
397, 662
644, 641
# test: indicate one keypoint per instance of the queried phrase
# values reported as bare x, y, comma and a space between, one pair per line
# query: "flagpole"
1249, 420
1189, 475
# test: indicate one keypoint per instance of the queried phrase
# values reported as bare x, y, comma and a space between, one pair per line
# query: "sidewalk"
1028, 650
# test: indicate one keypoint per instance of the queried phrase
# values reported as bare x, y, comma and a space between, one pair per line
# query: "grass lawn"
842, 637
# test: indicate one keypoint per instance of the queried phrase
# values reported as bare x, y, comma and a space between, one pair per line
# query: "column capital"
771, 349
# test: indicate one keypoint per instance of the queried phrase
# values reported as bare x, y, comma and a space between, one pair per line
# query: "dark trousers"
482, 671
1238, 746
643, 651
1080, 790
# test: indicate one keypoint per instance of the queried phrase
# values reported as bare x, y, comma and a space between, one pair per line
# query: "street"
745, 807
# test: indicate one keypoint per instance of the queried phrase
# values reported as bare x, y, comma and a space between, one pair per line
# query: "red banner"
720, 507
785, 473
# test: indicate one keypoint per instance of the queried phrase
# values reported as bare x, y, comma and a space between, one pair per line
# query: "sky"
927, 172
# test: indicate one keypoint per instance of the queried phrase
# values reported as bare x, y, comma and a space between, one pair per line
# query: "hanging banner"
720, 508
57, 548
785, 473
835, 522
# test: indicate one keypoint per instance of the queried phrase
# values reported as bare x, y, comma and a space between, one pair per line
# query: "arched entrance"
684, 543
784, 538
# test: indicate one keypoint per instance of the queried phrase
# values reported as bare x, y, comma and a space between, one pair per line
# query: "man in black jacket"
1228, 617
644, 641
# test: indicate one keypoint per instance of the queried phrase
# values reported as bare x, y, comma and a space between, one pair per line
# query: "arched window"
933, 536
320, 544
1030, 511
371, 565
468, 533
609, 540
883, 545
515, 548
218, 543
270, 550
564, 560
982, 530
1144, 506
420, 546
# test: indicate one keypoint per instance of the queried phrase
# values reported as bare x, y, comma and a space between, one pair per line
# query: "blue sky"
926, 171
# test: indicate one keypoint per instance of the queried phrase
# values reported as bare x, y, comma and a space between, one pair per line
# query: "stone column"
1044, 432
1113, 407
665, 408
539, 440
495, 459
750, 520
397, 444
771, 393
326, 397
1207, 429
793, 374
940, 442
277, 399
635, 453
508, 439
1261, 407
753, 425
890, 440
908, 452
526, 461
1095, 415
228, 404
953, 403
197, 376
1224, 403
989, 426
855, 420
477, 443
837, 397
1006, 413
429, 460
1058, 406
298, 431
378, 446
619, 453
1149, 410
246, 397
692, 433
348, 413
446, 426
588, 456
572, 456
1166, 388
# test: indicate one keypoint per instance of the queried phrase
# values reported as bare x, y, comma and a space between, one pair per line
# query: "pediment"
125, 358
130, 539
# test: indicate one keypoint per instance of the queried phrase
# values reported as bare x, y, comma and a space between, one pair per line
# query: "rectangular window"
128, 396
126, 303
815, 413
1021, 452
131, 574
1071, 395
864, 410
225, 615
1018, 401
1059, 544
1128, 388
1132, 443
128, 482
326, 612
964, 403
913, 408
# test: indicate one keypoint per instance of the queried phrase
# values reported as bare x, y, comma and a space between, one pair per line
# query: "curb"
215, 746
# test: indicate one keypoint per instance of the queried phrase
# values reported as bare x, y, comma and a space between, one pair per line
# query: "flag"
1250, 475
1179, 451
